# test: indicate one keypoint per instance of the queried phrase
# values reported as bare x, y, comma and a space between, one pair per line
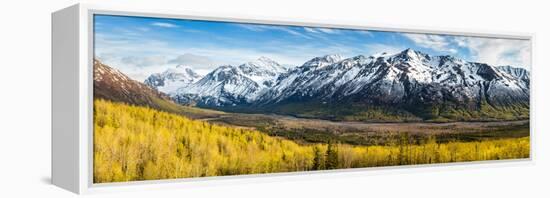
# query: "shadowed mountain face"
111, 84
409, 85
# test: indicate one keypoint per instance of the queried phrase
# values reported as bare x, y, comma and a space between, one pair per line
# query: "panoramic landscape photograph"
178, 98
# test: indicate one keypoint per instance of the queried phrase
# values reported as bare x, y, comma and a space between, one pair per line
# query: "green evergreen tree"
332, 156
318, 160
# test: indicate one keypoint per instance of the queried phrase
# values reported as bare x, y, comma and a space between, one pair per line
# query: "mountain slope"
519, 73
113, 85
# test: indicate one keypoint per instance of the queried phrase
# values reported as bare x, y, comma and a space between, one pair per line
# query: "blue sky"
140, 46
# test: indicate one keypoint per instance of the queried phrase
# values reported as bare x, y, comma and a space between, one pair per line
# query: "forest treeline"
137, 143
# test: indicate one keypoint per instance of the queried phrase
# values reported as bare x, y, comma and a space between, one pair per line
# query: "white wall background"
25, 99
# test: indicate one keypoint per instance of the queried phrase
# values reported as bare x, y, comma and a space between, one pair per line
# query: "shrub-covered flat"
365, 133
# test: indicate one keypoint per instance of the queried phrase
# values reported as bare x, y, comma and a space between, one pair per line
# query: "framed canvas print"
152, 98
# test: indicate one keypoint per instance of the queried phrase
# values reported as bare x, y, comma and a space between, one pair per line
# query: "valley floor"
364, 133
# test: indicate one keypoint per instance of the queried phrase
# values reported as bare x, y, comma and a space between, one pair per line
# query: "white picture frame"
72, 100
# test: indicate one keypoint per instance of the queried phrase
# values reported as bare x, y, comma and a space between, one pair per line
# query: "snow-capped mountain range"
408, 78
172, 79
225, 85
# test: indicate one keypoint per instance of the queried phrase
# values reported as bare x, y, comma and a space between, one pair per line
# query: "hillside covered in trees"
139, 143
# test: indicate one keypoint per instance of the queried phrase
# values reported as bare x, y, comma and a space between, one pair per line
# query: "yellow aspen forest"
134, 143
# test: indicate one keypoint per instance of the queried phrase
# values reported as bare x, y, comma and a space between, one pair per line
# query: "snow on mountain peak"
410, 54
381, 54
323, 61
378, 55
188, 70
172, 79
409, 51
263, 64
266, 60
333, 57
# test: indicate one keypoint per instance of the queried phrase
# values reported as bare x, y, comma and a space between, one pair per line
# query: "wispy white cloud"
322, 30
164, 24
497, 51
365, 33
254, 27
329, 30
132, 55
380, 48
493, 51
144, 61
295, 33
311, 30
236, 56
128, 44
262, 28
430, 41
195, 61
136, 67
